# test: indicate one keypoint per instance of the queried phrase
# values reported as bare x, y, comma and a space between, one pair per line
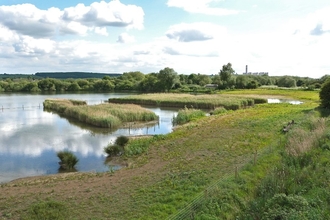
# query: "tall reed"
229, 102
103, 115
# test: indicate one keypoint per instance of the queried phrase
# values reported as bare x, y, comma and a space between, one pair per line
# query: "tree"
325, 94
150, 83
167, 79
286, 81
225, 75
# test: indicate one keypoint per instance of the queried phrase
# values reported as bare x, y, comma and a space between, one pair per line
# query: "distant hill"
75, 75
18, 76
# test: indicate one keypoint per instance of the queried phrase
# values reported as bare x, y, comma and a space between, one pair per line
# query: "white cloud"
201, 7
195, 32
26, 19
101, 31
103, 14
125, 38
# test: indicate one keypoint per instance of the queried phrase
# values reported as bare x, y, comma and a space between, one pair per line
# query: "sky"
281, 37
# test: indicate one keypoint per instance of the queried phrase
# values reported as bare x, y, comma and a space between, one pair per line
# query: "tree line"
165, 80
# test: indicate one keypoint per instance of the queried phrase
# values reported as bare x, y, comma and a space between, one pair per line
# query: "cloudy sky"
282, 37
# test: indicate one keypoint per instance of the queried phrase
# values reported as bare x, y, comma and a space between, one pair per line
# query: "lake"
30, 137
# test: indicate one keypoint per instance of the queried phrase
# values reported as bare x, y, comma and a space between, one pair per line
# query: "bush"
121, 141
113, 150
68, 159
325, 94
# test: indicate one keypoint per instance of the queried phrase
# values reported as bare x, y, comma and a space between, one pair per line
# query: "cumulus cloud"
102, 14
195, 32
125, 38
26, 19
201, 7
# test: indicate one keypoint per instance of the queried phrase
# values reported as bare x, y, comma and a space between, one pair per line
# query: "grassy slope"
175, 170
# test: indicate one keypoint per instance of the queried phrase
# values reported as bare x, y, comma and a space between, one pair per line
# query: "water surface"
30, 136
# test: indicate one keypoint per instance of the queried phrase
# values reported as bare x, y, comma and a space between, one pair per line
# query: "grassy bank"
210, 168
229, 102
103, 115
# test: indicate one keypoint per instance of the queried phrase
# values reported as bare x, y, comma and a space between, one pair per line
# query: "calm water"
30, 137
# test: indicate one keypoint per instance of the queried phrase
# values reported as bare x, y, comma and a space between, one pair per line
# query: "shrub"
113, 150
121, 141
68, 159
325, 95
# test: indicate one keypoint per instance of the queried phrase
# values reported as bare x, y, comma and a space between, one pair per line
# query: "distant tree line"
163, 81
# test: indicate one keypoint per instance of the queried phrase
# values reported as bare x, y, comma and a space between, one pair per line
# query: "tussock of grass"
301, 140
103, 115
186, 115
195, 101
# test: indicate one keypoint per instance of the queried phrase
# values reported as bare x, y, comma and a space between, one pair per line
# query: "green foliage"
226, 74
68, 159
46, 210
286, 81
166, 79
138, 146
121, 141
229, 102
325, 94
118, 147
186, 115
220, 110
103, 115
113, 150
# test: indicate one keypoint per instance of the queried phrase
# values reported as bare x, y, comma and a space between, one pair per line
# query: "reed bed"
213, 101
186, 115
103, 115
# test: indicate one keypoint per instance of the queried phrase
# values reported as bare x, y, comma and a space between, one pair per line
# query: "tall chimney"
246, 69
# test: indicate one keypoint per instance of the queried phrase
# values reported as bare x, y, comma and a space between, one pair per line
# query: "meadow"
103, 115
233, 165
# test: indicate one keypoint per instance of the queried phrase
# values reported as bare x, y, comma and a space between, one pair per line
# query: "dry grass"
301, 141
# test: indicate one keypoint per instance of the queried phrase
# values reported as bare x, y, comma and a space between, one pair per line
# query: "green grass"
186, 115
68, 160
47, 210
191, 101
103, 115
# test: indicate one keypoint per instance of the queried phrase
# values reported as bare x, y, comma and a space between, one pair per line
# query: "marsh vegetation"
230, 102
232, 165
107, 115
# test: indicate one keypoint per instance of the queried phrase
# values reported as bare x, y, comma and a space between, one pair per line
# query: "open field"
104, 115
209, 167
229, 102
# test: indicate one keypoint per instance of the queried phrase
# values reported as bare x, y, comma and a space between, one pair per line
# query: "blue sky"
191, 36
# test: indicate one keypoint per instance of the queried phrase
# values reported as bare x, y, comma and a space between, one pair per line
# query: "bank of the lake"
176, 170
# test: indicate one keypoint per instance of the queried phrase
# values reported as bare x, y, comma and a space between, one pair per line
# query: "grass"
229, 102
103, 115
298, 94
68, 160
186, 115
218, 167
